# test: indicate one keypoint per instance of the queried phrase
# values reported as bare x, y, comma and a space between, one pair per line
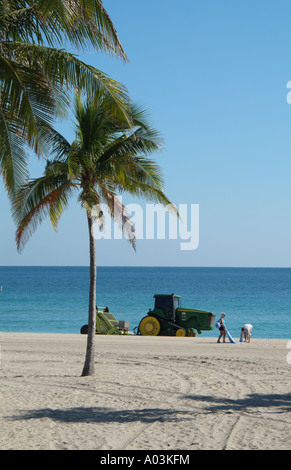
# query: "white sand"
148, 393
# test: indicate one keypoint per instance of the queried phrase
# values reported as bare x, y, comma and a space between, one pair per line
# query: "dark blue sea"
55, 299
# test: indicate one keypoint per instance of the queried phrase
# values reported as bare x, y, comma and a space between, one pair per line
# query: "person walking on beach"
222, 328
246, 332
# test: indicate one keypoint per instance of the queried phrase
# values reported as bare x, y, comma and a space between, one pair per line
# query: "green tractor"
169, 319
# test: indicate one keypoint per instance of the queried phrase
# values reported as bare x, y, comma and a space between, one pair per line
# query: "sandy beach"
149, 393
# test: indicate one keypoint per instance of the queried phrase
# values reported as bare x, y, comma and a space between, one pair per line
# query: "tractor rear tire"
149, 326
181, 332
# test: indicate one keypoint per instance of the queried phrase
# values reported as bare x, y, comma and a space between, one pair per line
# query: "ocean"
55, 299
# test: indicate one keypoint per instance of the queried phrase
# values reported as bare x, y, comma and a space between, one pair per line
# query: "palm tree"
37, 74
107, 156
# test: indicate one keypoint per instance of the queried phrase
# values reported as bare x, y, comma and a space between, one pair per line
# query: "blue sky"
213, 76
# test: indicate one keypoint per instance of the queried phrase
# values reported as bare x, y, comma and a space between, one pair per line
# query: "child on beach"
222, 328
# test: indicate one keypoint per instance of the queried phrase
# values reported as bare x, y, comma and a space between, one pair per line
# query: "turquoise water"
55, 299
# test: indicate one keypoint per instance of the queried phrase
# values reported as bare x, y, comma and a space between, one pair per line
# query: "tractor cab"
168, 304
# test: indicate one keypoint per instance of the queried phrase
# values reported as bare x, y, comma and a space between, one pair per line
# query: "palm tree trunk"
89, 366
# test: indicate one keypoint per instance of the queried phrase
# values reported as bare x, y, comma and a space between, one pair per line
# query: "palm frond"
81, 23
64, 70
119, 213
13, 159
39, 198
26, 98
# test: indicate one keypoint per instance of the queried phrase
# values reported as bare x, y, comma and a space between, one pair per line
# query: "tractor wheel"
149, 326
181, 332
84, 330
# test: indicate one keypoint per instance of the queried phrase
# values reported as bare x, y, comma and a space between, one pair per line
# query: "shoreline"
197, 338
148, 393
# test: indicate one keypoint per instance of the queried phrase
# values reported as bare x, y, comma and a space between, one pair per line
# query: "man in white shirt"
246, 332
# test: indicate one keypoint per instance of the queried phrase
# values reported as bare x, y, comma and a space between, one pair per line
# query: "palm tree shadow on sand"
106, 415
282, 403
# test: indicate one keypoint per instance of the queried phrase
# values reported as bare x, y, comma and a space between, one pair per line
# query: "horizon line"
139, 266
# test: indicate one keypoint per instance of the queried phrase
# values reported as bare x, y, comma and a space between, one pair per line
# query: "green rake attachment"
107, 324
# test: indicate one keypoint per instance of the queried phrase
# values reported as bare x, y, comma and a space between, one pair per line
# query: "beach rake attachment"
107, 324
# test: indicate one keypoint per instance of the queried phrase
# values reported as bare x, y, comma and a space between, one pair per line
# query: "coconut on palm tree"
109, 156
37, 74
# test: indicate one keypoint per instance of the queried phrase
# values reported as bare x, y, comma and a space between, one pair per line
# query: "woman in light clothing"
246, 332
